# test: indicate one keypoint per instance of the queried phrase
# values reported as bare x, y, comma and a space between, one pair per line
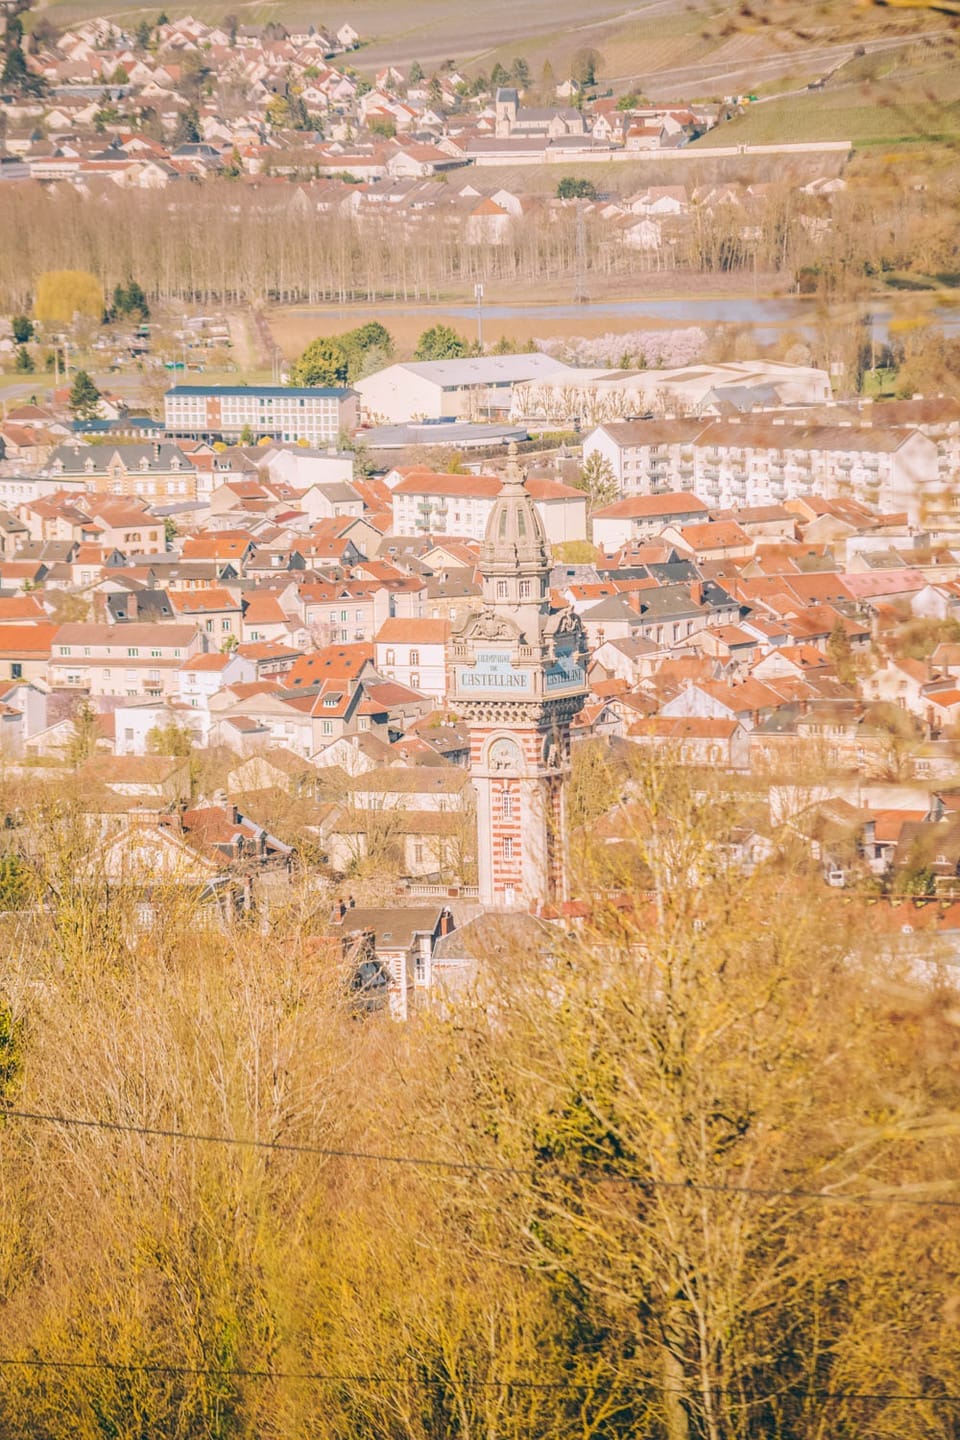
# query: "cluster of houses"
186, 99
291, 621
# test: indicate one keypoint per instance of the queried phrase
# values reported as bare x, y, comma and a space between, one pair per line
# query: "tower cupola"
515, 556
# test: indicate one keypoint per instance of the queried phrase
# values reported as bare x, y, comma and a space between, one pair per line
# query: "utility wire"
426, 1382
425, 1162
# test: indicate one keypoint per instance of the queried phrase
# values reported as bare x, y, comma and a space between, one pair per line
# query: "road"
818, 59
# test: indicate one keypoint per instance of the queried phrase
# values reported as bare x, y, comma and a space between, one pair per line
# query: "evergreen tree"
498, 76
24, 361
520, 72
840, 652
598, 480
22, 327
440, 342
570, 188
187, 130
416, 73
84, 399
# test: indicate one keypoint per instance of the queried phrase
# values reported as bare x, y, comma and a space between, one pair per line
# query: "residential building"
647, 457
132, 660
640, 517
316, 414
157, 472
414, 652
207, 672
760, 460
25, 651
425, 503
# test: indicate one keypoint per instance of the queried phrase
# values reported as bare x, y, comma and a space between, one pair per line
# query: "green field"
902, 96
672, 48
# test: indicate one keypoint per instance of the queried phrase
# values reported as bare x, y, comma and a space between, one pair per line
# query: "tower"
518, 677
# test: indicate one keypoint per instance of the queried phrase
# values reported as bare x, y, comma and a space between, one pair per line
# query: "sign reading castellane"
493, 672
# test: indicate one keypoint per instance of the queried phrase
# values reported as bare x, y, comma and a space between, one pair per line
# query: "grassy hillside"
908, 95
682, 47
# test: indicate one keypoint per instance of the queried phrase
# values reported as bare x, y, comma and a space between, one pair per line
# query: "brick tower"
518, 677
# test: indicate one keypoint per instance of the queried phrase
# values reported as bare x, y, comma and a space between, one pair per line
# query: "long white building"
315, 414
592, 397
479, 387
428, 503
764, 460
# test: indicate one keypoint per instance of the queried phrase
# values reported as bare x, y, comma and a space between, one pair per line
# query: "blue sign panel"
494, 673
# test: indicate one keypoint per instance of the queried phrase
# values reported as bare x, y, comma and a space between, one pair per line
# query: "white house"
639, 517
414, 652
135, 720
428, 503
203, 675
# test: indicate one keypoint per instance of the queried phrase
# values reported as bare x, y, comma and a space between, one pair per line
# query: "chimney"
156, 449
696, 592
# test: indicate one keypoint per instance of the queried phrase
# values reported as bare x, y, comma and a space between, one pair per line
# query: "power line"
426, 1162
432, 1383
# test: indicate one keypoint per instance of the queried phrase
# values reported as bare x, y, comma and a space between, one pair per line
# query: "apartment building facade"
314, 414
134, 660
426, 503
765, 461
155, 472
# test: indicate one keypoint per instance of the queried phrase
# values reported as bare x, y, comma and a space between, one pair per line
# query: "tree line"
673, 1173
236, 246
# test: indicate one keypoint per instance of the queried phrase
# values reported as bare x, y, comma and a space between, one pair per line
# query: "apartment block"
427, 503
765, 461
314, 414
130, 660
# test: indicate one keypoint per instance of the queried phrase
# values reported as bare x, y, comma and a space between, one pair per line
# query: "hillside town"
183, 99
101, 109
479, 721
246, 652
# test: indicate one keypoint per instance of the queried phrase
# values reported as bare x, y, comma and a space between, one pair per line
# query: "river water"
766, 315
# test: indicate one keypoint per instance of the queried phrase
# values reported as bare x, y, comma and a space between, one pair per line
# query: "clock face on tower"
505, 754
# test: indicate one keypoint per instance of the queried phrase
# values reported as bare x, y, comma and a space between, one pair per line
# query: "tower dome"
515, 542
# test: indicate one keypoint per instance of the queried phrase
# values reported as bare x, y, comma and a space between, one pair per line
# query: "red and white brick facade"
517, 675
